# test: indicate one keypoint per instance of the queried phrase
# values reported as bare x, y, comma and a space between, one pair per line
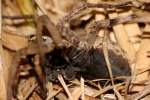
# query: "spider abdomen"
89, 64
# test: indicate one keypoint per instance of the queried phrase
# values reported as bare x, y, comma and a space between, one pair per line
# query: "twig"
61, 89
82, 88
51, 96
30, 91
107, 57
128, 82
107, 88
18, 17
49, 86
60, 78
102, 95
142, 93
109, 65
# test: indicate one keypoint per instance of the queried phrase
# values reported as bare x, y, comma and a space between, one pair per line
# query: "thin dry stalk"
49, 86
31, 90
55, 94
82, 89
105, 50
102, 95
77, 92
60, 78
107, 88
144, 92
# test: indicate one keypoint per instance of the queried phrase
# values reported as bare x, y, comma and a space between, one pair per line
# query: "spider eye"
47, 40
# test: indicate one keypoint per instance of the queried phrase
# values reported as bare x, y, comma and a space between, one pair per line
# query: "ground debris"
76, 49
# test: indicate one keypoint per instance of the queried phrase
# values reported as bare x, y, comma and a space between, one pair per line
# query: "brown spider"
64, 58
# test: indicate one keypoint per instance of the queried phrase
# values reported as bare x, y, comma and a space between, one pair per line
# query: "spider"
74, 57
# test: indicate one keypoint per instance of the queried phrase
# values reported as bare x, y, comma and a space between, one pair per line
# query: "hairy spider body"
90, 64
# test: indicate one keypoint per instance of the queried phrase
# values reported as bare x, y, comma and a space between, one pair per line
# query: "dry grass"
125, 23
